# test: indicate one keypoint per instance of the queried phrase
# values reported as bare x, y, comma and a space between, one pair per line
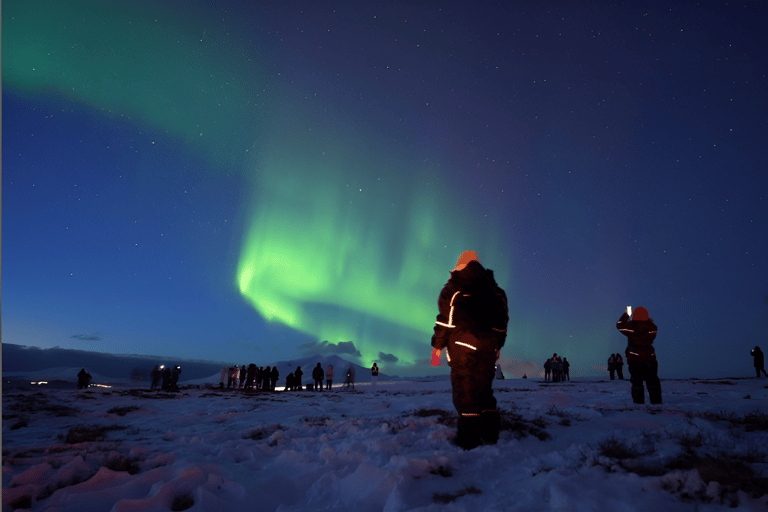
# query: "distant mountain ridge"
21, 359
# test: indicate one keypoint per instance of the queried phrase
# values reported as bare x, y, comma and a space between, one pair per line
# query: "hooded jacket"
473, 313
640, 335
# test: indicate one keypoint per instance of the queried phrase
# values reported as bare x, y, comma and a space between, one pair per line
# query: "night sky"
262, 181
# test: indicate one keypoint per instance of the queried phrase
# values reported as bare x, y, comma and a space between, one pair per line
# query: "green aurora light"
344, 248
191, 78
346, 241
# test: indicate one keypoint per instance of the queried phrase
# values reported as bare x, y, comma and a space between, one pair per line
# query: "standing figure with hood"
641, 356
317, 375
472, 327
83, 379
619, 363
329, 377
156, 375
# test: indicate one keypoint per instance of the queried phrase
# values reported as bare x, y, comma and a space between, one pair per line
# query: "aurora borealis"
253, 183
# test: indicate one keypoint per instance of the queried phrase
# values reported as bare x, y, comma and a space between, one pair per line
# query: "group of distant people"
251, 378
615, 366
168, 376
265, 379
557, 369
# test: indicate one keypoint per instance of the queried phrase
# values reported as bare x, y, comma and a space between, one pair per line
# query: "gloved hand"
436, 356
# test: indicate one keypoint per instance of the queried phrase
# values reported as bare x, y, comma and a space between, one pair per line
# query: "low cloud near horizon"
326, 348
86, 337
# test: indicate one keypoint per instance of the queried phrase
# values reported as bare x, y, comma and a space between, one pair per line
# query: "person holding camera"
641, 356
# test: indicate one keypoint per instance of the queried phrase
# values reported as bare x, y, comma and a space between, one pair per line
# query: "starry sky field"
262, 181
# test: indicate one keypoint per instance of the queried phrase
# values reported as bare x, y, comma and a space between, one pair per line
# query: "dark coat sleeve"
503, 318
444, 323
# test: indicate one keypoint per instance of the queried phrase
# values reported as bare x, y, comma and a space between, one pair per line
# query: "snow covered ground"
570, 446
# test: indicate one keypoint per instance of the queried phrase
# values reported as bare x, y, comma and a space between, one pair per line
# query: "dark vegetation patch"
316, 421
89, 433
521, 428
23, 502
441, 470
444, 498
145, 393
445, 417
122, 411
732, 472
35, 403
265, 431
23, 422
751, 422
182, 502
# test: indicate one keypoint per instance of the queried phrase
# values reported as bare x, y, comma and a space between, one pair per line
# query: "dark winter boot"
654, 394
490, 423
468, 436
638, 394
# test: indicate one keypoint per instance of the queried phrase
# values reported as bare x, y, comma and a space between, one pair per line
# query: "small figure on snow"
318, 374
83, 379
759, 361
374, 374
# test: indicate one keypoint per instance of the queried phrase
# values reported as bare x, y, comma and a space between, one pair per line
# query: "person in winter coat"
759, 361
318, 374
619, 364
566, 369
297, 374
374, 374
156, 376
251, 376
350, 380
83, 379
641, 356
547, 370
231, 376
175, 374
557, 368
471, 326
612, 366
222, 377
167, 378
242, 375
289, 380
329, 377
273, 376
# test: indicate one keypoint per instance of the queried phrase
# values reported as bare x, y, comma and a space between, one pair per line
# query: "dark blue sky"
255, 183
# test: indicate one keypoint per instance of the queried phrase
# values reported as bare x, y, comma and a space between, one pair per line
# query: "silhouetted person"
297, 374
472, 326
350, 380
619, 364
547, 370
759, 361
317, 375
374, 374
612, 366
156, 376
83, 379
641, 356
175, 373
566, 369
329, 377
273, 376
167, 378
